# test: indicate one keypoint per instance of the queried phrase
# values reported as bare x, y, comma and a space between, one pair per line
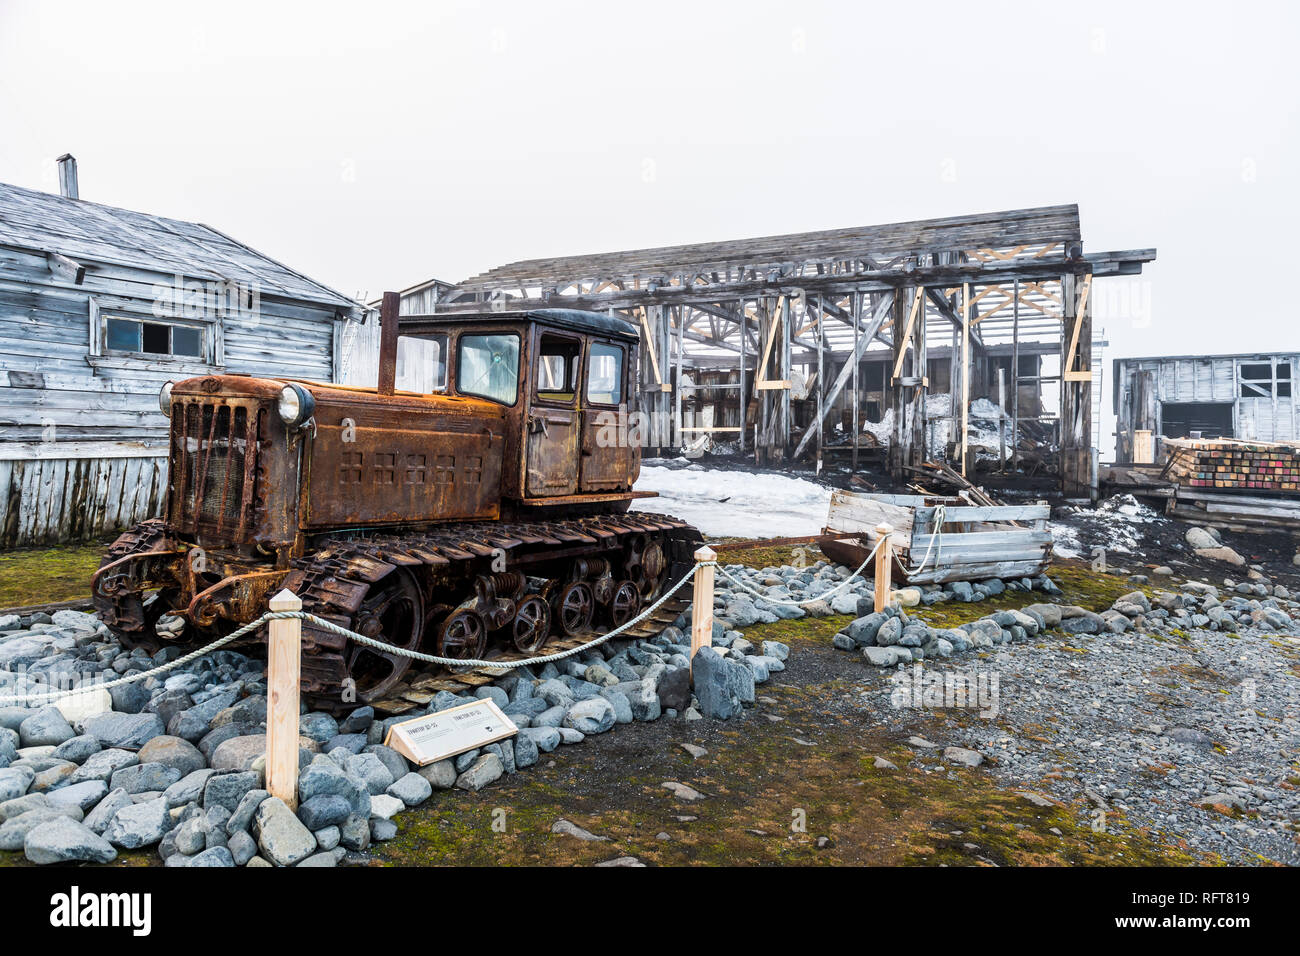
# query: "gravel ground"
1148, 725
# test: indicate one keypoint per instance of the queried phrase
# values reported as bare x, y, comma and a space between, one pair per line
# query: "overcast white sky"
374, 145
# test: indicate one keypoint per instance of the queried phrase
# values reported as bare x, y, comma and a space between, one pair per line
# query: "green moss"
47, 575
762, 780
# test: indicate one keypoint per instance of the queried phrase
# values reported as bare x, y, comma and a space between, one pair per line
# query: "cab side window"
557, 368
605, 374
422, 363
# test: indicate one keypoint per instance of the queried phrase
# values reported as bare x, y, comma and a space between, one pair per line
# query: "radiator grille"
216, 445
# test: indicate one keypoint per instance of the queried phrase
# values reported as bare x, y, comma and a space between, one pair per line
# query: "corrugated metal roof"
91, 232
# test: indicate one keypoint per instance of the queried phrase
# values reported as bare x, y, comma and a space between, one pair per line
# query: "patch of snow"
734, 504
1116, 524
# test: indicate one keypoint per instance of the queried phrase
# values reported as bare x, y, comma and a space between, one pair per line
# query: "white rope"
354, 636
504, 665
143, 675
940, 515
820, 597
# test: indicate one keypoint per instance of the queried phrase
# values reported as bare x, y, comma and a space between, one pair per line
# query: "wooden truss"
821, 301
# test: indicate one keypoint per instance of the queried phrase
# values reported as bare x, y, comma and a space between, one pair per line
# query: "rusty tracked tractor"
487, 510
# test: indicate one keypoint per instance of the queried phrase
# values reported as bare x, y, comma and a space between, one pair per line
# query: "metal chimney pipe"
68, 176
388, 322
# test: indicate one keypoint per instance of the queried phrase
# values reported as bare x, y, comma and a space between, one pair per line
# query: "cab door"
607, 458
554, 424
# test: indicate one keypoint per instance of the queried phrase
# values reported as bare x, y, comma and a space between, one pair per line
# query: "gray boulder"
144, 778
77, 749
242, 817
594, 715
713, 685
886, 656
64, 840
526, 752
442, 774
369, 769
13, 833
189, 789
412, 789
228, 789
81, 795
175, 752
141, 824
99, 818
485, 770
281, 836
325, 810
102, 765
863, 631
47, 727
217, 856
124, 731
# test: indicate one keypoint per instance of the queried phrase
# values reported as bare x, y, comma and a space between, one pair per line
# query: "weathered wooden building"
874, 319
99, 307
1248, 396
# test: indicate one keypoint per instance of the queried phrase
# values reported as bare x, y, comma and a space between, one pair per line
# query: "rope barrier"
454, 663
143, 675
820, 597
358, 638
505, 665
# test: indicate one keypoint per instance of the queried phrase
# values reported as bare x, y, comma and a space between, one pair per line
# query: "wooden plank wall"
50, 500
45, 341
51, 393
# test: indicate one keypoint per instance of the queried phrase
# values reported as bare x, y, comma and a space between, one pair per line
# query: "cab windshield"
488, 366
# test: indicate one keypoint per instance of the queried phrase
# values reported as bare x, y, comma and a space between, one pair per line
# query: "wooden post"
884, 565
1002, 419
702, 606
284, 665
965, 374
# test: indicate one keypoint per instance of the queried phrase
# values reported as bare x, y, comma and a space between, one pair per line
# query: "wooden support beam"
865, 336
651, 345
1081, 309
965, 373
1076, 391
907, 332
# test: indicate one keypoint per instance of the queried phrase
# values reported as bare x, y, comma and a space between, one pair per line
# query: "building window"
133, 336
1265, 379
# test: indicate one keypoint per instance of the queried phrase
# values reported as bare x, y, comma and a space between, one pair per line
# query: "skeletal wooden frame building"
822, 300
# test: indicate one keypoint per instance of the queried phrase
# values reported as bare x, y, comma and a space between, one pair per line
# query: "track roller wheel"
392, 612
625, 603
463, 636
646, 564
574, 606
532, 624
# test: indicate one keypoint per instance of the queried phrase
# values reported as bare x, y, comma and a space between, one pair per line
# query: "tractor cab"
562, 376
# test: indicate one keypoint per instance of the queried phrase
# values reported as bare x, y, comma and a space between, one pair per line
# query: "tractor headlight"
296, 405
165, 399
